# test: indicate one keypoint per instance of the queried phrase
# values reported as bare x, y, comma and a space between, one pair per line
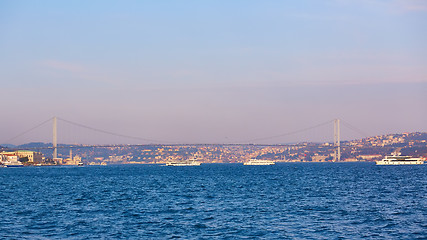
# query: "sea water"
215, 201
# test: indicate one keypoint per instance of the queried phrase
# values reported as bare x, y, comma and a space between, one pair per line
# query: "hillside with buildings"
367, 149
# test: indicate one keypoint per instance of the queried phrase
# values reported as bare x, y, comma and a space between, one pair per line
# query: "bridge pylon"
337, 142
55, 139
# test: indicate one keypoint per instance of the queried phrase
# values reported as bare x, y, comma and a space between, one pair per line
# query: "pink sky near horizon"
214, 71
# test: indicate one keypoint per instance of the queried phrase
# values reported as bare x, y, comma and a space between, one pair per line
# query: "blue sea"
215, 201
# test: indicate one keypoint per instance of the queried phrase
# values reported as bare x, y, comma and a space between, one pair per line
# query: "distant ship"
188, 162
397, 159
12, 163
259, 162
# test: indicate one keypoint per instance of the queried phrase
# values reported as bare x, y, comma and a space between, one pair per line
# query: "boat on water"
12, 163
188, 162
259, 162
397, 159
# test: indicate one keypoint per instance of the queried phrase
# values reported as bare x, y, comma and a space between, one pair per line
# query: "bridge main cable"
290, 133
112, 133
29, 130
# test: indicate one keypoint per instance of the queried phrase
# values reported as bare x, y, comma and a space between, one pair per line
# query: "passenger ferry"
12, 163
188, 162
259, 162
397, 159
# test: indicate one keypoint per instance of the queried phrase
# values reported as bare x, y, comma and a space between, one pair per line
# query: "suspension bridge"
54, 146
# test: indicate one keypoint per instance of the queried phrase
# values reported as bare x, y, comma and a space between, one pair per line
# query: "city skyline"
215, 71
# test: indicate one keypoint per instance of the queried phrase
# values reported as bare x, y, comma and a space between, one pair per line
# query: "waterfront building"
8, 156
31, 155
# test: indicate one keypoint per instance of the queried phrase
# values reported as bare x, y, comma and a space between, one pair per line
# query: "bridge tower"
337, 145
54, 141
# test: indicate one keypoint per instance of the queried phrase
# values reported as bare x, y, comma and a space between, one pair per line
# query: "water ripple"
215, 201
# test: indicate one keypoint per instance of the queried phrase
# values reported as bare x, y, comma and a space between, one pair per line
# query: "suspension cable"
355, 129
29, 130
291, 133
111, 133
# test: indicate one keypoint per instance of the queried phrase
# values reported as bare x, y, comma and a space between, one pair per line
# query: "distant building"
58, 161
8, 156
4, 155
318, 158
369, 157
350, 160
32, 156
71, 160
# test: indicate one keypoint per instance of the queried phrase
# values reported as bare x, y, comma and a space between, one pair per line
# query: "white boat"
397, 159
12, 163
259, 162
188, 162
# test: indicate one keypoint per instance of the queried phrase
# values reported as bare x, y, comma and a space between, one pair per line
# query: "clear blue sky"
215, 71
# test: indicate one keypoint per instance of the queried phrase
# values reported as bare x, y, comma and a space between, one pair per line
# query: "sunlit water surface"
287, 201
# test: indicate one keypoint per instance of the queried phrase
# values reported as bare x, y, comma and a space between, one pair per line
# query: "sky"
212, 71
